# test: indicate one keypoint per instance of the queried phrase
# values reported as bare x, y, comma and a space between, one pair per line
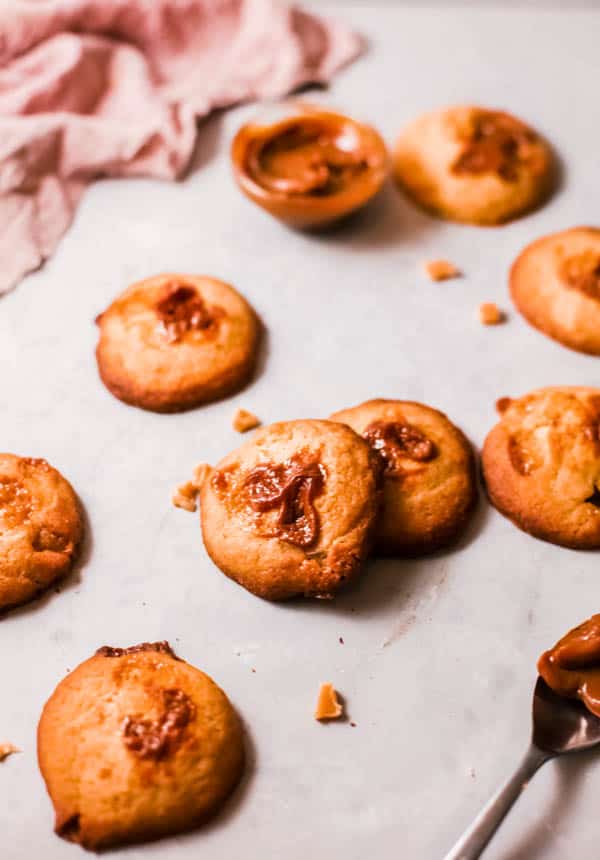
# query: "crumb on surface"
186, 495
341, 640
244, 421
353, 724
441, 270
490, 314
7, 749
329, 706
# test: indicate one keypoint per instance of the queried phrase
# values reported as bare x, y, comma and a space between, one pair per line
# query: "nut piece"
244, 421
490, 314
441, 270
186, 495
329, 706
7, 749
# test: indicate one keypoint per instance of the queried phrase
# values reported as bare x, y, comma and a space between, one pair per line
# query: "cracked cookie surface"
541, 464
40, 528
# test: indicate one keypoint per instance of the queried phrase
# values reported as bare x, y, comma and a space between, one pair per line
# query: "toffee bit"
441, 270
244, 421
329, 706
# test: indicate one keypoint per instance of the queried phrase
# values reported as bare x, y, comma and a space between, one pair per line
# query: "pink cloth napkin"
93, 88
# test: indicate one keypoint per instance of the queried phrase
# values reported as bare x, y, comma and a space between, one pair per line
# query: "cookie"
473, 165
136, 744
40, 528
291, 512
429, 485
555, 284
541, 464
175, 341
310, 167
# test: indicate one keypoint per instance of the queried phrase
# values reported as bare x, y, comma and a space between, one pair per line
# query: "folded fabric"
93, 88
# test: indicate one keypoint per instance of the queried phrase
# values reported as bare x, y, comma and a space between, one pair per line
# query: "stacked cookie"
297, 509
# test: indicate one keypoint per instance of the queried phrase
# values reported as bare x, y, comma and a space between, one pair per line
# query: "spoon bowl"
561, 725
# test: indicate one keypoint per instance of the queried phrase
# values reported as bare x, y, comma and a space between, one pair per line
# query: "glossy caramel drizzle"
290, 488
304, 159
158, 738
181, 309
395, 441
572, 667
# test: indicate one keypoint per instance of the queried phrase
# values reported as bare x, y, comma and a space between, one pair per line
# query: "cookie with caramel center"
136, 744
292, 511
541, 464
555, 284
172, 342
429, 486
473, 164
40, 528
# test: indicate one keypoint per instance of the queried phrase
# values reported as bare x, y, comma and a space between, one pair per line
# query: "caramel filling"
582, 272
305, 156
396, 441
160, 647
158, 738
180, 309
290, 489
572, 667
16, 504
497, 144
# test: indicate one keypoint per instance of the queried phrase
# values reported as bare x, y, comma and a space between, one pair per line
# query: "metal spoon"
559, 726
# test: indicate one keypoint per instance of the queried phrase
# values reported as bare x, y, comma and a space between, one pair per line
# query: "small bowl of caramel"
309, 167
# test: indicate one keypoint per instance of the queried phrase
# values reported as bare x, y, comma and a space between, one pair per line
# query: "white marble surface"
438, 660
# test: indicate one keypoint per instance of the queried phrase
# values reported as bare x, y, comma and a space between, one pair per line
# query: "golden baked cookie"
555, 284
174, 341
136, 744
40, 528
474, 165
541, 464
291, 512
429, 485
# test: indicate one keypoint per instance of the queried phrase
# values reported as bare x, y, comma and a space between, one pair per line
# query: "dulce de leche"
572, 667
310, 168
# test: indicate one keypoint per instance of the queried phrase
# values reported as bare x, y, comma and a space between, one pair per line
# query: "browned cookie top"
542, 464
291, 511
175, 341
555, 284
473, 164
40, 527
429, 484
154, 747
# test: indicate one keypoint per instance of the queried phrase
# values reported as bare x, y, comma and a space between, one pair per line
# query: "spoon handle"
476, 837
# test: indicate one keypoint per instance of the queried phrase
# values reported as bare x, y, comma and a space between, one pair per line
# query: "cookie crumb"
341, 641
490, 314
186, 495
7, 749
441, 270
244, 421
329, 706
353, 725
